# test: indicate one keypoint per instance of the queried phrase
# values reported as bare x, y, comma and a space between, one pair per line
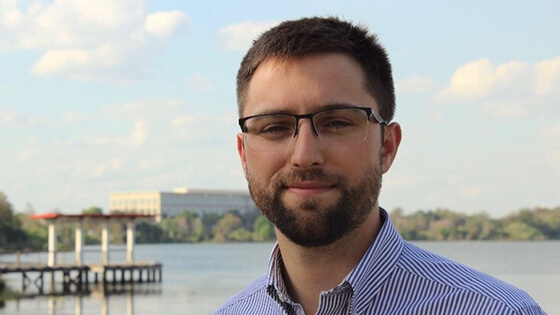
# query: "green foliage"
6, 211
18, 231
263, 229
186, 227
149, 232
442, 224
209, 220
92, 210
11, 234
226, 226
240, 235
520, 231
37, 232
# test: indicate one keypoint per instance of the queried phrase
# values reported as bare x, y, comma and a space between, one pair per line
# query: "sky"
110, 96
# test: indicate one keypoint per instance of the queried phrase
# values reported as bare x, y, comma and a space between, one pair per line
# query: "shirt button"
281, 297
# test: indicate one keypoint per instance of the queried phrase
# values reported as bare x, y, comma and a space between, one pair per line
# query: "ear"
391, 142
241, 151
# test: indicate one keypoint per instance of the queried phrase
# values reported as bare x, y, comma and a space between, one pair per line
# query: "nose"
306, 149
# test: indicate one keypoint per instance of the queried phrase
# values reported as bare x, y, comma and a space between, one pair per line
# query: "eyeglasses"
345, 126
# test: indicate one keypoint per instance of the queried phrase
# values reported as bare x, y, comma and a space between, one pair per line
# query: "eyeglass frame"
368, 110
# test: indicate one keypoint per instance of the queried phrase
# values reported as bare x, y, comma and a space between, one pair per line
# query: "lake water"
197, 278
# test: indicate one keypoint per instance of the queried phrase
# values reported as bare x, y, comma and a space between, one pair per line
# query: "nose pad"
306, 148
313, 128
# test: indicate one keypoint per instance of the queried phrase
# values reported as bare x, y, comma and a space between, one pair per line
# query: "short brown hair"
313, 35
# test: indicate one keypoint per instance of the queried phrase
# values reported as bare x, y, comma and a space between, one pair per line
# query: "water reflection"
100, 295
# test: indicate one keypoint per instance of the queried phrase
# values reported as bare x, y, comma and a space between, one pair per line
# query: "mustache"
318, 175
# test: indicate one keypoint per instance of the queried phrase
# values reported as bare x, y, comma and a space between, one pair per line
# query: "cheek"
367, 153
263, 166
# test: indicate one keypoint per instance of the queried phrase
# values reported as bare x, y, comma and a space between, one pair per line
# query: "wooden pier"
76, 278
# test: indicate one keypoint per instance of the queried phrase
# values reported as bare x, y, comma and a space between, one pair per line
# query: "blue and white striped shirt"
394, 277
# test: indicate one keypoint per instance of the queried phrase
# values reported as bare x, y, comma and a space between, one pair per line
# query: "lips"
308, 183
309, 188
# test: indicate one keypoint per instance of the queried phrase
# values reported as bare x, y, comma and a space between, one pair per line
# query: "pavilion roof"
94, 216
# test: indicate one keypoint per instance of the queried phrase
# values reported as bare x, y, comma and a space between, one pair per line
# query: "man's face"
312, 192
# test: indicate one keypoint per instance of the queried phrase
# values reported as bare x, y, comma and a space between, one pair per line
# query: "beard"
310, 224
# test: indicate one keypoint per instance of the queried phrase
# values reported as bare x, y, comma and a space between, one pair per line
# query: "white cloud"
414, 84
508, 90
506, 109
73, 117
163, 24
139, 135
124, 141
200, 83
240, 36
548, 76
481, 78
89, 40
159, 123
8, 117
184, 125
31, 151
146, 109
550, 142
63, 61
22, 121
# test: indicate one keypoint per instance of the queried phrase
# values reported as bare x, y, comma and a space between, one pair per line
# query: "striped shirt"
394, 277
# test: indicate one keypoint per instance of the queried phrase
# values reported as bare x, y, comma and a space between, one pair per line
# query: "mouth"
308, 189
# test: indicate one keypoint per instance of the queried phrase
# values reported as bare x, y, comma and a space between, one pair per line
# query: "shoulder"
430, 266
250, 300
453, 278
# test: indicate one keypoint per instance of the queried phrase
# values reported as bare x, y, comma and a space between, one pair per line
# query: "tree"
186, 227
263, 229
36, 232
520, 231
92, 210
209, 220
149, 233
225, 226
240, 235
11, 235
6, 210
548, 222
479, 227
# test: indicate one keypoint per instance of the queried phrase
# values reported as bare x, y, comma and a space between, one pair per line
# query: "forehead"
306, 83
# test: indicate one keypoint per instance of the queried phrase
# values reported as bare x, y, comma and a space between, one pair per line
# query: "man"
316, 101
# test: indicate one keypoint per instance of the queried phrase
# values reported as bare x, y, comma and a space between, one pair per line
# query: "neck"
310, 271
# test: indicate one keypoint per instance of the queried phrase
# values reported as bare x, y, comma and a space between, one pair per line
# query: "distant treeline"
18, 231
442, 225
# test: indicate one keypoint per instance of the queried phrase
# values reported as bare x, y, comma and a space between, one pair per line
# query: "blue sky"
105, 96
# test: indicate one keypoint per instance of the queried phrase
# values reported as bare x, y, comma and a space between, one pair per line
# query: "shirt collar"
275, 282
367, 276
376, 266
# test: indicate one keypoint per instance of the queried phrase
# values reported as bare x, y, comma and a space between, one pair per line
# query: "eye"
336, 123
271, 127
340, 122
336, 126
278, 128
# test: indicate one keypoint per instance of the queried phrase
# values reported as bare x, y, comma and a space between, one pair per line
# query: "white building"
170, 204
